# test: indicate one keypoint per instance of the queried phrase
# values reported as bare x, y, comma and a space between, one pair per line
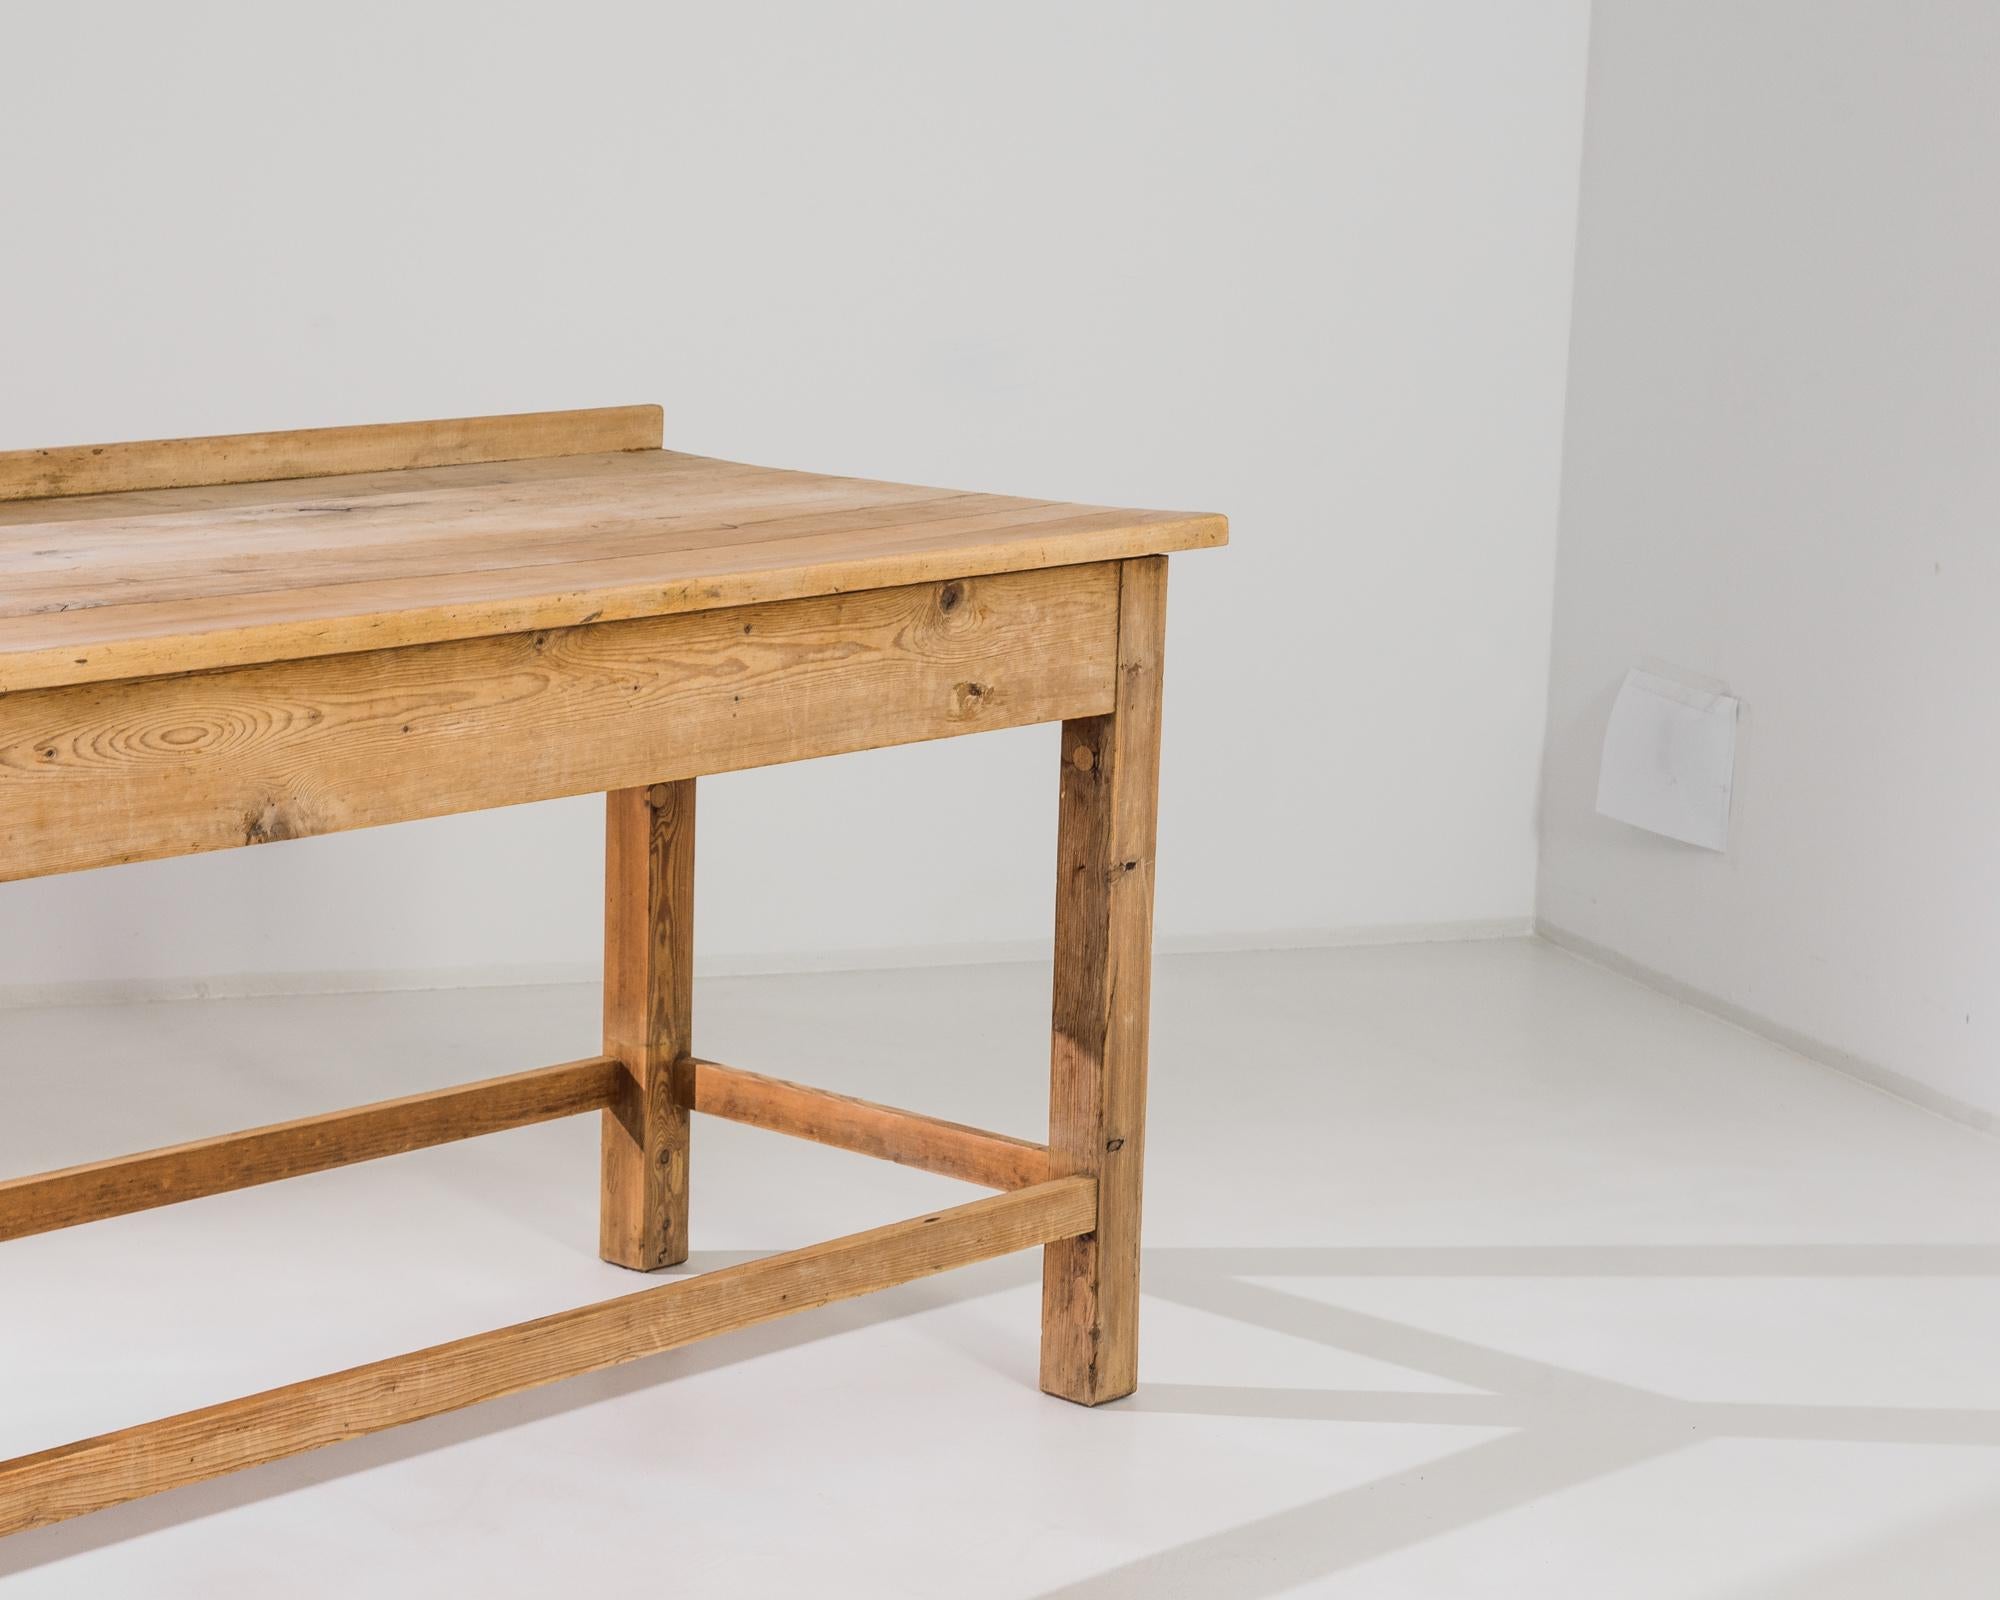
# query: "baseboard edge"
265, 985
1885, 1079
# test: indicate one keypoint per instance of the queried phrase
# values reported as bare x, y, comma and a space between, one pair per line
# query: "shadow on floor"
1564, 1427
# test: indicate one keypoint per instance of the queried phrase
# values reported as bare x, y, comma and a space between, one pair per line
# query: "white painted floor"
1473, 1271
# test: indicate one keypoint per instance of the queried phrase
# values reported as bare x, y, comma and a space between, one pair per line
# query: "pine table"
211, 643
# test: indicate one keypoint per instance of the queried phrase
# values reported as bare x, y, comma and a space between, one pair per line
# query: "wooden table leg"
1103, 960
648, 994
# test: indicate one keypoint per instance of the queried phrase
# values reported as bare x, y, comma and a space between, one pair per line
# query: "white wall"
1306, 264
1783, 471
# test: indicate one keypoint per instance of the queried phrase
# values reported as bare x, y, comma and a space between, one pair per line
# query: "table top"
178, 579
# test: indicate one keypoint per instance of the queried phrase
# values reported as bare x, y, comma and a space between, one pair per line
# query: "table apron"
96, 774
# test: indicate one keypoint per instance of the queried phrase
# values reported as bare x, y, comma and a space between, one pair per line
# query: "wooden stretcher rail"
73, 1479
47, 1201
994, 1159
125, 1184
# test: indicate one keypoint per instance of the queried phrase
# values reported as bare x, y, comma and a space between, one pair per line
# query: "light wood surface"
648, 1011
67, 1198
186, 579
213, 643
322, 452
91, 1474
1103, 982
126, 1184
950, 1148
103, 773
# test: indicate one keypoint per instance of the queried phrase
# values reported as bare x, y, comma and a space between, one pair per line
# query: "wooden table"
208, 643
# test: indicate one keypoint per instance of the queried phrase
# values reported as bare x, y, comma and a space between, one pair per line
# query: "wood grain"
117, 1187
1103, 983
648, 1011
908, 1137
182, 580
221, 642
322, 452
97, 774
73, 1479
126, 1184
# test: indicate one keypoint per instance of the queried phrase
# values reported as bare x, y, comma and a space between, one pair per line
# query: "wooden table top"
178, 579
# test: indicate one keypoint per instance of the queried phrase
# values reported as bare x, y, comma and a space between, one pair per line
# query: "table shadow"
1562, 1428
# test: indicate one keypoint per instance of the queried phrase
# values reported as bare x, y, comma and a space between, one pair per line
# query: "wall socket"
1669, 763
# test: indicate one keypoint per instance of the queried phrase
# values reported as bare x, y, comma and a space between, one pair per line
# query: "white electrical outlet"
1670, 760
